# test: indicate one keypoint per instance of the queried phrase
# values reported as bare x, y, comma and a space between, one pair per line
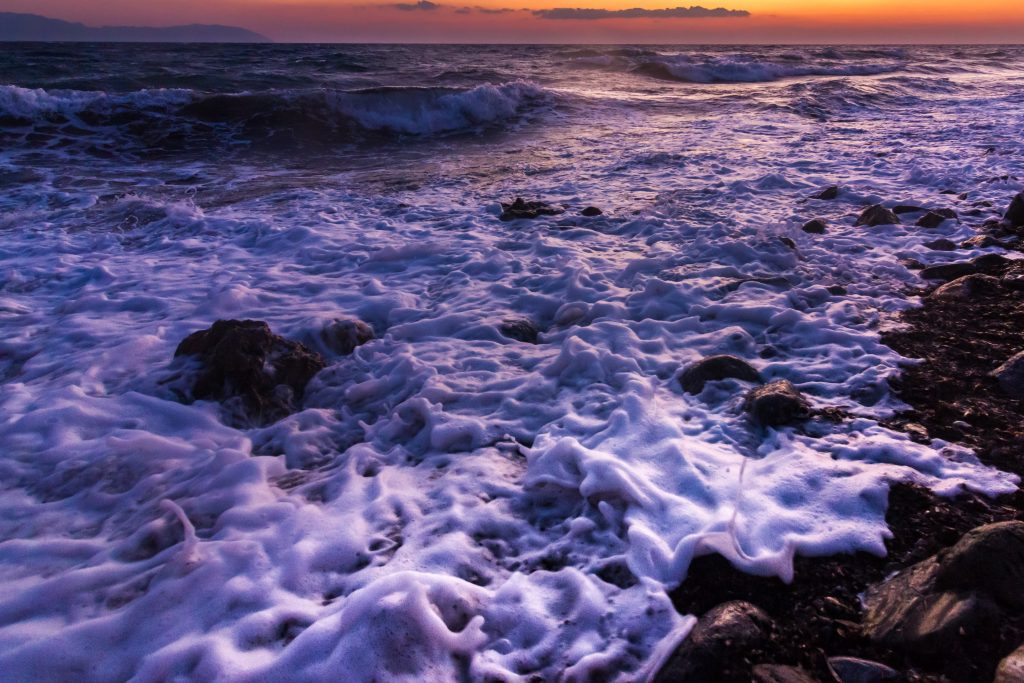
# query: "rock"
243, 359
836, 290
967, 287
777, 403
877, 215
856, 670
524, 209
1015, 211
815, 227
343, 336
989, 558
917, 432
776, 673
715, 368
717, 643
830, 192
591, 211
788, 242
907, 208
1011, 669
520, 329
932, 219
1010, 376
948, 271
941, 244
911, 263
981, 242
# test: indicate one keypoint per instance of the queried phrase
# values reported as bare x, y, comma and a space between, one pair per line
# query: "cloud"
422, 5
695, 12
489, 10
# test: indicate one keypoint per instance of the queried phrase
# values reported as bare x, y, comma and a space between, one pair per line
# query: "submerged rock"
816, 226
717, 644
941, 244
1015, 211
591, 211
877, 215
343, 336
714, 368
1011, 669
520, 329
776, 404
244, 360
830, 192
1010, 376
524, 209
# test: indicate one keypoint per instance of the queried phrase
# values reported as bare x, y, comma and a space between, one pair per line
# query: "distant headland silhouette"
33, 27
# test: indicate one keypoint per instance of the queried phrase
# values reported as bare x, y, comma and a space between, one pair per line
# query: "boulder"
777, 673
989, 558
948, 271
342, 336
1015, 211
981, 242
717, 644
877, 215
776, 404
715, 368
524, 209
907, 208
932, 219
830, 192
244, 360
941, 244
836, 290
815, 227
520, 329
1010, 376
857, 670
967, 287
1011, 669
591, 211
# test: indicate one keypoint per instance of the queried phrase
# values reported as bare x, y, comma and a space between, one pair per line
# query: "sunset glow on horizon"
593, 21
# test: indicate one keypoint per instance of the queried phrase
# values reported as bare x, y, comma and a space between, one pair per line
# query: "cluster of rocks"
521, 208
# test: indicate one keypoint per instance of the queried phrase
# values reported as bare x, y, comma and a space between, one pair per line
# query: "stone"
967, 287
776, 404
788, 242
836, 290
520, 329
932, 219
591, 211
717, 643
1015, 211
917, 432
1010, 376
816, 226
830, 192
777, 673
877, 215
941, 244
981, 242
989, 558
243, 359
524, 209
1011, 669
342, 336
715, 368
907, 208
857, 670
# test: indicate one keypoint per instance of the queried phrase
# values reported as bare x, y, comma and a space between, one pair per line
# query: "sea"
450, 503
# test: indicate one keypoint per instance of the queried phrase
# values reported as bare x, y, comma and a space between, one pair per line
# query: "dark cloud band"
695, 12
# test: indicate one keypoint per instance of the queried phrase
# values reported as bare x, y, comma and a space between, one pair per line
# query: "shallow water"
470, 505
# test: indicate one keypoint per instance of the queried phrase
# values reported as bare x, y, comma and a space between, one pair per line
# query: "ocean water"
452, 504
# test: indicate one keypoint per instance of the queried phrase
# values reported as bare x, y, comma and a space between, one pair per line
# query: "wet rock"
777, 673
907, 208
1010, 376
343, 336
917, 432
877, 215
948, 271
941, 244
776, 404
856, 670
715, 368
830, 192
836, 290
911, 263
591, 211
788, 242
1015, 211
932, 219
989, 558
520, 329
717, 644
244, 360
524, 209
967, 287
815, 227
1011, 669
981, 242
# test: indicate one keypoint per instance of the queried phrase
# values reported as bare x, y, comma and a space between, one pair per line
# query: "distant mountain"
32, 27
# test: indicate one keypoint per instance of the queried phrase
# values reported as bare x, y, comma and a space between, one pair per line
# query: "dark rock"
591, 211
836, 290
947, 191
343, 336
967, 287
1010, 376
907, 208
917, 433
815, 227
911, 263
788, 242
1015, 211
932, 219
715, 368
243, 359
777, 673
717, 644
524, 209
990, 559
520, 329
946, 213
777, 403
856, 670
830, 192
941, 244
981, 242
877, 215
948, 271
1011, 669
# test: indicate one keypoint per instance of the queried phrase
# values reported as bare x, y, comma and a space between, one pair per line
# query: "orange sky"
787, 21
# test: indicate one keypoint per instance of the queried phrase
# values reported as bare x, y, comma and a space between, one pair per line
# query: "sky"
568, 21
